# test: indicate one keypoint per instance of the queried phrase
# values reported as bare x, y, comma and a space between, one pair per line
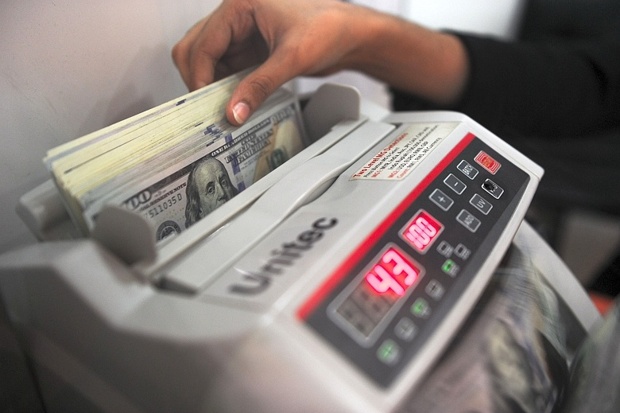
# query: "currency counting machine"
331, 285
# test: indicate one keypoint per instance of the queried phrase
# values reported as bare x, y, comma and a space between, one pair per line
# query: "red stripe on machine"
307, 308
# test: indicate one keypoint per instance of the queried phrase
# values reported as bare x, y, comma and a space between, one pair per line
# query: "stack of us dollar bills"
177, 162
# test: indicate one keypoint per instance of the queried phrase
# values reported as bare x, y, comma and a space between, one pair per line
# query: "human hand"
285, 38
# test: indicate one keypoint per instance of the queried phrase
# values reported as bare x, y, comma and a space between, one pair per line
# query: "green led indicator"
450, 268
420, 308
389, 352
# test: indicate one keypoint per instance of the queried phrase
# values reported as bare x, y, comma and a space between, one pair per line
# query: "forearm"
429, 64
554, 89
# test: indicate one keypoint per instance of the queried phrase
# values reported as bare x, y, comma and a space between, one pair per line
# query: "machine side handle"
329, 105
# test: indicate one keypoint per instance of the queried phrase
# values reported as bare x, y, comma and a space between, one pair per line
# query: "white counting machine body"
331, 285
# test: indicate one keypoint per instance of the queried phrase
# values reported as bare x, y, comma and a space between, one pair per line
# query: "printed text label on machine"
289, 252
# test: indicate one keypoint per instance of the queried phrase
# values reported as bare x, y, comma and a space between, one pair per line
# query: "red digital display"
368, 301
392, 273
421, 231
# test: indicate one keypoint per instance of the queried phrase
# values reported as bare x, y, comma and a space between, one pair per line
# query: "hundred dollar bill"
160, 158
85, 165
180, 195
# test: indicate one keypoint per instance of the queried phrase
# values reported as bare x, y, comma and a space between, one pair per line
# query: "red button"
487, 162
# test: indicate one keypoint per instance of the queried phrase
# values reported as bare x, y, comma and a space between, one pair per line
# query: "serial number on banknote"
162, 207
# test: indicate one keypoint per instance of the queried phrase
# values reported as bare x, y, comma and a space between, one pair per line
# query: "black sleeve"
553, 89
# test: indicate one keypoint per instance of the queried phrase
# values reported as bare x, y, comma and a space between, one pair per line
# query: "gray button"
405, 329
462, 252
468, 220
435, 289
468, 170
445, 249
455, 184
442, 200
481, 204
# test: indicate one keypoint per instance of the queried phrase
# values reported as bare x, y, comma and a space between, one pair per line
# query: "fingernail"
241, 111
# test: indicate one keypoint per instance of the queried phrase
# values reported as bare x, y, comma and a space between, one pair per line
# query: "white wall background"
495, 18
71, 67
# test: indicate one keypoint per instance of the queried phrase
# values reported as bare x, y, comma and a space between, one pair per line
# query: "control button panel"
394, 295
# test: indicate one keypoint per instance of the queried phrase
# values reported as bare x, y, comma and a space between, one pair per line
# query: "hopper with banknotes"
177, 162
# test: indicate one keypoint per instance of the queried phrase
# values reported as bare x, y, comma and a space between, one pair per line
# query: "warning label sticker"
406, 152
